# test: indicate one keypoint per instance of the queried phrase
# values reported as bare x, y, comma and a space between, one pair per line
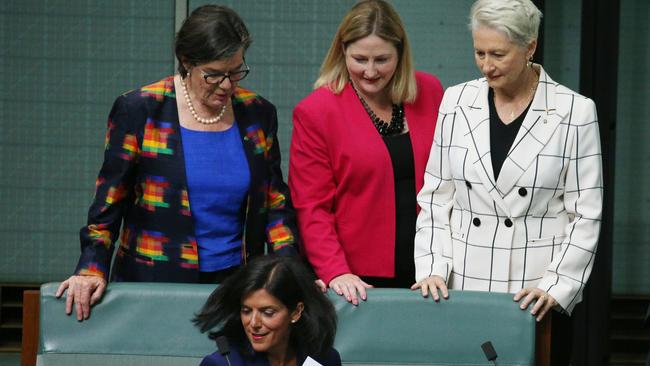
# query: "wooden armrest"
543, 341
31, 314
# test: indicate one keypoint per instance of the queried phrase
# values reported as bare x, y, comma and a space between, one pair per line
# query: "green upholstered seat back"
135, 324
399, 327
149, 324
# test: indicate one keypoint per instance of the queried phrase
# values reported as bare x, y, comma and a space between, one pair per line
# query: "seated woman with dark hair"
272, 313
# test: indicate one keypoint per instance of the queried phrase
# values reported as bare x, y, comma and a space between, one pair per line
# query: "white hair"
518, 19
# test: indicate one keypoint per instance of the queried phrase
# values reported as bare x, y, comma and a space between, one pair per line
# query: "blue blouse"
218, 180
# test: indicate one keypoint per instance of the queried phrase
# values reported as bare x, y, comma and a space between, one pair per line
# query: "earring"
530, 61
294, 320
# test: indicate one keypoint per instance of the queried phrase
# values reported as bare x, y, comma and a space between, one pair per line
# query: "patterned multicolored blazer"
142, 188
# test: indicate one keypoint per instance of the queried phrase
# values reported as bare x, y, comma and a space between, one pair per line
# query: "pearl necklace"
205, 121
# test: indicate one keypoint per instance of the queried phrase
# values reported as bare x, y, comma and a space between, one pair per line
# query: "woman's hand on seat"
349, 285
431, 285
83, 292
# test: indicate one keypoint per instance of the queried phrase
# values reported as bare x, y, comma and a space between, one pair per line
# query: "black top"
502, 135
401, 154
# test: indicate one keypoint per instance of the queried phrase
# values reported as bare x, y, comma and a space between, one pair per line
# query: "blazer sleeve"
313, 186
114, 188
567, 274
216, 359
433, 246
281, 227
334, 358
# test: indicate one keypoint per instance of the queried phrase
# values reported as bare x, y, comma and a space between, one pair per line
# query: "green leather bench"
149, 324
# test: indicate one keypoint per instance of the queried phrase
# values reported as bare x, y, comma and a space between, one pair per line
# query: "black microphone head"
489, 351
222, 345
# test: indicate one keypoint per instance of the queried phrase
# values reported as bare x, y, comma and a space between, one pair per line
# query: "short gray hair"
518, 19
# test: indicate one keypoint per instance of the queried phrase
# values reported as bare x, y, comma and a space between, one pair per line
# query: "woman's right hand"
431, 285
83, 292
349, 285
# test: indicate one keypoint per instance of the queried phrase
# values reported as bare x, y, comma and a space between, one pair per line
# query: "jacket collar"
538, 126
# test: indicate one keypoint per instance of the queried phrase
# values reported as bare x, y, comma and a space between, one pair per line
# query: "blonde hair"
366, 18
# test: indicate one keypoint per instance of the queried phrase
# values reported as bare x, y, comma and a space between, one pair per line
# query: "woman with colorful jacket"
195, 181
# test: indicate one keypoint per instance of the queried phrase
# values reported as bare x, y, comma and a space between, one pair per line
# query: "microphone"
223, 347
489, 352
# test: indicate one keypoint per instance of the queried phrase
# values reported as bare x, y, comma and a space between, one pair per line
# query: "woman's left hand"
321, 285
544, 303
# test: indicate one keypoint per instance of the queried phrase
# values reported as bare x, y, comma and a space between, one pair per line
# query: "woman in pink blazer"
358, 152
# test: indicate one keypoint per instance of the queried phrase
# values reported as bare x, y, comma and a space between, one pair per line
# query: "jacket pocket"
547, 241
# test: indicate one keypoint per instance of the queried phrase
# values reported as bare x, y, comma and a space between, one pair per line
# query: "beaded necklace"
396, 124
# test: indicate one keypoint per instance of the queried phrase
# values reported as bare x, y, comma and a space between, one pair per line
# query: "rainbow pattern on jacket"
153, 193
114, 195
150, 244
109, 130
93, 269
276, 199
160, 89
101, 234
244, 96
156, 138
185, 203
279, 234
190, 254
256, 135
130, 147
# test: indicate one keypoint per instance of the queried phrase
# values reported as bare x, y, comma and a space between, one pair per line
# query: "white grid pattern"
538, 223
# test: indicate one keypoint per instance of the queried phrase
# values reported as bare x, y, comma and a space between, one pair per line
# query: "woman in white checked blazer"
512, 194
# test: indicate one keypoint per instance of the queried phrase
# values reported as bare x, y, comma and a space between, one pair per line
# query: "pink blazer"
341, 179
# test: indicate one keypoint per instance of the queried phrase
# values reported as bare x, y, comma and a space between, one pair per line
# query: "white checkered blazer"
538, 224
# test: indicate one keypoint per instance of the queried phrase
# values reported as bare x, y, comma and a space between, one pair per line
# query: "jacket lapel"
250, 138
254, 143
540, 123
477, 117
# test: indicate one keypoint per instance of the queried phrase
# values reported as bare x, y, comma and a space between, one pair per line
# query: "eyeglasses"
234, 76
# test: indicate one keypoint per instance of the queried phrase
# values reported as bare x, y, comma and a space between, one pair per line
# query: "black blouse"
502, 135
401, 154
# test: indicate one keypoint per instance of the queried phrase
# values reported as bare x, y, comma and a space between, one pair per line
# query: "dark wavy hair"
287, 279
210, 33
